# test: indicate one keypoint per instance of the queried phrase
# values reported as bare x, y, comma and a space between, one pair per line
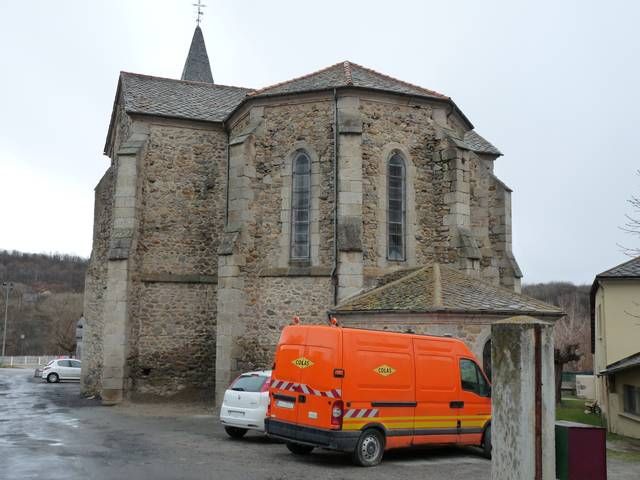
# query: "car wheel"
53, 378
299, 449
235, 432
369, 449
486, 442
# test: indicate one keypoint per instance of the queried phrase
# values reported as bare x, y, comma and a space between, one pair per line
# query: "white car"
61, 369
245, 403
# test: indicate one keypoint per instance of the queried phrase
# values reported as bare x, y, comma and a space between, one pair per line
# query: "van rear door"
320, 385
285, 374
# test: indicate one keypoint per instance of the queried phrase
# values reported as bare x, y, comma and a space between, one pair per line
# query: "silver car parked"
61, 369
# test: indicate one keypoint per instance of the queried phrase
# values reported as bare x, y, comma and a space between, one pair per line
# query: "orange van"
365, 391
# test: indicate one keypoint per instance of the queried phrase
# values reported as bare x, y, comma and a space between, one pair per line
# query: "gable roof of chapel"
441, 288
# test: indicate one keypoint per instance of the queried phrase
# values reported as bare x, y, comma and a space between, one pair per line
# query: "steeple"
197, 67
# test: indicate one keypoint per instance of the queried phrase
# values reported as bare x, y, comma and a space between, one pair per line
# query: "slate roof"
440, 288
630, 269
206, 101
196, 67
632, 361
480, 144
347, 74
178, 98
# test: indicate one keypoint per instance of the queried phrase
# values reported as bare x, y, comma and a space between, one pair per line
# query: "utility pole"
7, 287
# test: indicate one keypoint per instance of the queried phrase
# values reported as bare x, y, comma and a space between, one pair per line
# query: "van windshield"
248, 383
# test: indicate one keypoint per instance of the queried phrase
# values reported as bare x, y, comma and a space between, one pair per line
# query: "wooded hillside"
55, 272
44, 304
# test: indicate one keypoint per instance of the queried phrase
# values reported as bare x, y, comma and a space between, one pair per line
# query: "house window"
300, 206
632, 399
396, 179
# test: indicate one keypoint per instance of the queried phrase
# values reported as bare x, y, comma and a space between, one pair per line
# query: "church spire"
197, 67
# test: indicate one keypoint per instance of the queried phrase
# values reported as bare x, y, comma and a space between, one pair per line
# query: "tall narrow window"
300, 205
396, 207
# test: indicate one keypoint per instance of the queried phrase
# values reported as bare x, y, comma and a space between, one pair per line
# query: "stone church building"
225, 211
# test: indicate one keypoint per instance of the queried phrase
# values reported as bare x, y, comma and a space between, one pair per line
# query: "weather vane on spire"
200, 6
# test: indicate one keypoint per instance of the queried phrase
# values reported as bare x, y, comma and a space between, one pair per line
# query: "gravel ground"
49, 431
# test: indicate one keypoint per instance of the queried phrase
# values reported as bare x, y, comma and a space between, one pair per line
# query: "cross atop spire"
199, 11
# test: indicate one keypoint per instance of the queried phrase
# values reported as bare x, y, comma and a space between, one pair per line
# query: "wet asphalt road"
47, 431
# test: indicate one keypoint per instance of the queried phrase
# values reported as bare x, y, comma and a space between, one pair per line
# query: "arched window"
396, 179
300, 205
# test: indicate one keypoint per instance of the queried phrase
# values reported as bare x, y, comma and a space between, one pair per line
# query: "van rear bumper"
317, 437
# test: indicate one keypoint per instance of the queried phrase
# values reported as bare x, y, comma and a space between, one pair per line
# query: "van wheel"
369, 448
235, 432
299, 449
486, 442
53, 378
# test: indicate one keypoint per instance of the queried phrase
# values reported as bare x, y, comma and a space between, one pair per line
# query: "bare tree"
632, 224
64, 310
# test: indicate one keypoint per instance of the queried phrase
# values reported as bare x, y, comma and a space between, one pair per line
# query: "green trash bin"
581, 451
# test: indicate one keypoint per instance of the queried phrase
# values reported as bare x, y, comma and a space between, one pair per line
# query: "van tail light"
265, 385
337, 413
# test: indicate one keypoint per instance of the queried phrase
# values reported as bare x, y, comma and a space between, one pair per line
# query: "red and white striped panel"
361, 413
302, 388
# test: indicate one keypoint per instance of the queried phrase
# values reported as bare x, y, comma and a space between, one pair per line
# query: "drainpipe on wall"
226, 208
334, 271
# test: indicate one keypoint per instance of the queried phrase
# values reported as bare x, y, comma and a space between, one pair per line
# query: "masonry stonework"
191, 277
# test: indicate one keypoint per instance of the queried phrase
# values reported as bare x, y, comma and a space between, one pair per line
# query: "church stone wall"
182, 204
96, 277
285, 129
389, 126
95, 285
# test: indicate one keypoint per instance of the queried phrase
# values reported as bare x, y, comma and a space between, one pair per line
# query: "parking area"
49, 431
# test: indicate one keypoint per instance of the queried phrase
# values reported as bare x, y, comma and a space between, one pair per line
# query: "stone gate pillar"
523, 401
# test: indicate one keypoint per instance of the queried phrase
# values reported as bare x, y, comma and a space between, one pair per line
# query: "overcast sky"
553, 84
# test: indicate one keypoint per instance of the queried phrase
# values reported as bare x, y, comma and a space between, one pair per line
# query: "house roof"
629, 269
347, 74
196, 67
479, 144
441, 288
632, 361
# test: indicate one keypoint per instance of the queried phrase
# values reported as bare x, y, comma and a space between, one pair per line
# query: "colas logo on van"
384, 370
302, 362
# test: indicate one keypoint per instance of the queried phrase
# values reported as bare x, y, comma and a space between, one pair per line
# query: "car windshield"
248, 383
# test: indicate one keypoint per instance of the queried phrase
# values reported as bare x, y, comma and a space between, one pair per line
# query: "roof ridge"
279, 84
388, 77
618, 266
347, 72
192, 82
385, 286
